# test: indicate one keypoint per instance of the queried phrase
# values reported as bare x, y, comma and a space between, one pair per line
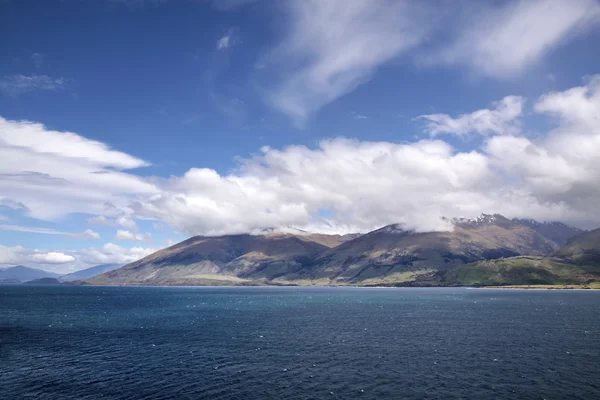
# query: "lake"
71, 342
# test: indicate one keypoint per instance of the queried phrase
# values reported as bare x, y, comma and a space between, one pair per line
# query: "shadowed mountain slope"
232, 259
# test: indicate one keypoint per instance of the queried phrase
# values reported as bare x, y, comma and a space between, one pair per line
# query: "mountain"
43, 281
221, 260
392, 254
10, 282
582, 249
389, 255
576, 263
558, 232
24, 274
88, 272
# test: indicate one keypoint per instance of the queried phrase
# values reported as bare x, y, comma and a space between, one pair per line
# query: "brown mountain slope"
233, 259
391, 254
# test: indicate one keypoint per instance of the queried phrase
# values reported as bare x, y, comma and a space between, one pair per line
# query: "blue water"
298, 343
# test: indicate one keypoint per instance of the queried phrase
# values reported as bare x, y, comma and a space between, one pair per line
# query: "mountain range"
488, 250
22, 274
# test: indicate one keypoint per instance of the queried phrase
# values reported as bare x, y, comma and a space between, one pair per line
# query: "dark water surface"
298, 343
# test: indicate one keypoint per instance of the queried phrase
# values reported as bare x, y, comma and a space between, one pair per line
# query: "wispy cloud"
334, 46
223, 42
38, 59
88, 234
18, 84
501, 41
100, 220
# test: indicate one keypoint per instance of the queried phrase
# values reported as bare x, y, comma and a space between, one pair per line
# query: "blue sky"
207, 117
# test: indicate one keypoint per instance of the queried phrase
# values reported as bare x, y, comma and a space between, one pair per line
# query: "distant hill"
556, 231
490, 249
88, 272
582, 249
43, 281
10, 282
24, 274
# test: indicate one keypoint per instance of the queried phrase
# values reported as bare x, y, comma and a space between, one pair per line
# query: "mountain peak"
483, 219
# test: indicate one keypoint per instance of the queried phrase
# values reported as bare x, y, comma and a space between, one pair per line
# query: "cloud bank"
343, 185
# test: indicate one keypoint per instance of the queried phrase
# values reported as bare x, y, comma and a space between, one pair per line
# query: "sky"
130, 125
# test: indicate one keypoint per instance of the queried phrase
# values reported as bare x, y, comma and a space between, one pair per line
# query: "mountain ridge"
390, 255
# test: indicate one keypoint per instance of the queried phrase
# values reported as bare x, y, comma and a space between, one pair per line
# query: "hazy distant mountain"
556, 231
88, 272
10, 282
43, 281
24, 274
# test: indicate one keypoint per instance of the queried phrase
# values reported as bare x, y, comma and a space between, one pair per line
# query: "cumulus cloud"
53, 258
346, 185
19, 255
18, 84
88, 234
138, 237
111, 253
503, 40
334, 46
502, 118
127, 223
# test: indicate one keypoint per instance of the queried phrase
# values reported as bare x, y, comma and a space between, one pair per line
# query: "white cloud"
127, 223
66, 262
100, 220
502, 41
111, 253
347, 185
501, 119
53, 258
88, 234
127, 235
223, 43
19, 84
334, 46
31, 229
76, 173
19, 255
